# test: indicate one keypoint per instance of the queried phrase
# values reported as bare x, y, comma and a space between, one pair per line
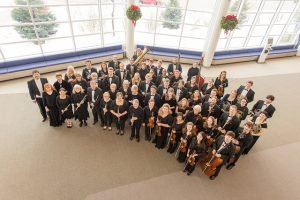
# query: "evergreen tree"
172, 15
235, 7
40, 14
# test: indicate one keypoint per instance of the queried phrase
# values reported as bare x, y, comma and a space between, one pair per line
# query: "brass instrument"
140, 59
256, 128
240, 114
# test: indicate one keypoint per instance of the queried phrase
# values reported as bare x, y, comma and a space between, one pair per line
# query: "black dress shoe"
138, 139
84, 122
80, 124
44, 119
189, 173
131, 138
212, 177
229, 167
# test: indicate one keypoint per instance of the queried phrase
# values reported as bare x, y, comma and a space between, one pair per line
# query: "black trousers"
40, 103
120, 123
190, 168
218, 169
149, 132
96, 113
106, 118
255, 138
135, 130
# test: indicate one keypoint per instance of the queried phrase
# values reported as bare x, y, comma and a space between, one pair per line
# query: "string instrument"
183, 146
200, 79
151, 122
192, 159
210, 164
210, 110
198, 118
210, 141
158, 131
220, 89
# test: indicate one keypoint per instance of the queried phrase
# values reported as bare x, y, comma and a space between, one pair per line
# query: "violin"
173, 137
220, 90
183, 146
151, 122
192, 159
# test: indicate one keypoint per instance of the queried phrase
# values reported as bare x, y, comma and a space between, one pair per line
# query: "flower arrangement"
134, 13
229, 23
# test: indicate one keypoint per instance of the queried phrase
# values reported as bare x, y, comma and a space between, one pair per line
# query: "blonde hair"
70, 70
161, 111
75, 87
46, 85
187, 124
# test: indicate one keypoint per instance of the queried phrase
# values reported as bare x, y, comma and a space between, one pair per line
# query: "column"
130, 46
298, 52
214, 32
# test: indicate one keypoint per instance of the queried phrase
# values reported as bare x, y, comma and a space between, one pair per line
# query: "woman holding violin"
210, 130
195, 152
176, 133
221, 83
185, 142
150, 116
164, 123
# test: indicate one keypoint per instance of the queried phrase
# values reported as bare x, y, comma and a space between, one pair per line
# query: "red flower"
230, 17
134, 7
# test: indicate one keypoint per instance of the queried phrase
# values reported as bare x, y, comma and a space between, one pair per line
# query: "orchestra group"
201, 126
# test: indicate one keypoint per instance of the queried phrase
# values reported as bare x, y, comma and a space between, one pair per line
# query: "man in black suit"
146, 85
158, 70
109, 79
122, 73
265, 106
94, 95
153, 95
180, 91
173, 66
229, 121
88, 70
163, 89
114, 63
246, 91
61, 83
131, 67
36, 88
211, 108
223, 148
151, 64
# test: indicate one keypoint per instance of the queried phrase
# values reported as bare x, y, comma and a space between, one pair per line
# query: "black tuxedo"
159, 71
216, 111
86, 74
171, 68
66, 85
259, 104
132, 69
159, 79
97, 97
183, 93
160, 90
249, 95
156, 97
143, 86
34, 91
106, 82
113, 64
233, 123
126, 75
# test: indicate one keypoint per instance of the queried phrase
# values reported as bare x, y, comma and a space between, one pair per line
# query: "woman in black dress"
136, 116
70, 74
207, 87
210, 130
185, 142
105, 115
195, 152
49, 100
64, 105
195, 99
80, 81
103, 70
183, 107
80, 101
170, 99
150, 116
135, 94
176, 133
125, 89
191, 86
113, 91
164, 123
221, 83
228, 100
119, 109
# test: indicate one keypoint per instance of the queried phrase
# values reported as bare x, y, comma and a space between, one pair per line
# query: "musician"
195, 152
211, 109
113, 91
79, 99
146, 85
36, 88
163, 89
221, 83
150, 111
151, 64
170, 99
119, 110
210, 130
80, 81
70, 74
135, 94
195, 99
176, 133
180, 91
208, 97
143, 71
126, 90
49, 101
88, 70
242, 109
265, 106
228, 120
153, 78
193, 71
242, 141
183, 107
158, 70
259, 124
131, 67
103, 70
161, 78
109, 79
105, 114
94, 95
153, 95
136, 116
246, 91
175, 78
64, 105
114, 63
137, 53
223, 148
185, 141
164, 123
94, 77
122, 73
207, 87
195, 117
136, 80
175, 65
228, 100
191, 85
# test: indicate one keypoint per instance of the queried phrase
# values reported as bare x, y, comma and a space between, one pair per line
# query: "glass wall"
30, 28
261, 19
